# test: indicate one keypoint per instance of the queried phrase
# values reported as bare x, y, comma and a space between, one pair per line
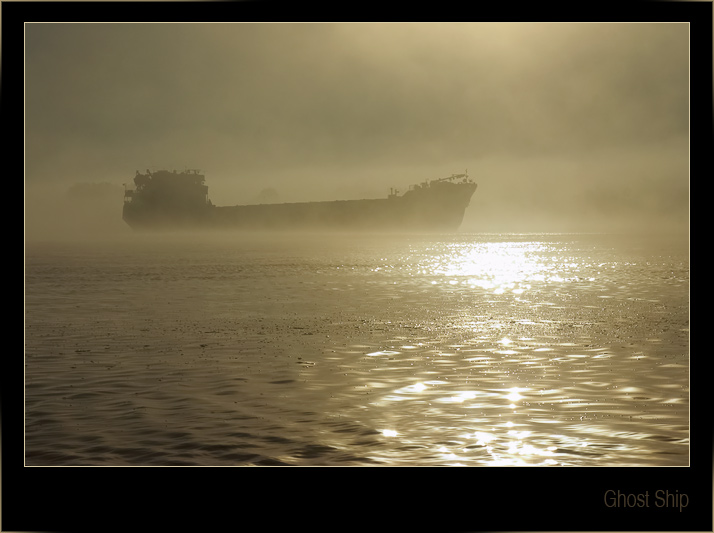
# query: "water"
474, 350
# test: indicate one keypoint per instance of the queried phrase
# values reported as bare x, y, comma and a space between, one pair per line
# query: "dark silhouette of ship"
171, 200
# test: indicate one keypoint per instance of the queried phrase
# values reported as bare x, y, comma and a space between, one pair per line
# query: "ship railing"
453, 177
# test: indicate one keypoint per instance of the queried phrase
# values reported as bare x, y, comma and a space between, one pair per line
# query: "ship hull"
387, 214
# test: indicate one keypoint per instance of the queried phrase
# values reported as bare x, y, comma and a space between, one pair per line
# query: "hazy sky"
562, 122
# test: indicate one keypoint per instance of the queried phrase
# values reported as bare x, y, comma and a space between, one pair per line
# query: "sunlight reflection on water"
528, 410
498, 266
469, 351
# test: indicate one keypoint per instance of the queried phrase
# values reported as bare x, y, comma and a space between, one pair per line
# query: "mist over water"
58, 212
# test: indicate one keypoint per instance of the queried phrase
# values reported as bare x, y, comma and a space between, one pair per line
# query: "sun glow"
497, 267
514, 395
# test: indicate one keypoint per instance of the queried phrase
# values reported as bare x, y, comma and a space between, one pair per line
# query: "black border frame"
394, 499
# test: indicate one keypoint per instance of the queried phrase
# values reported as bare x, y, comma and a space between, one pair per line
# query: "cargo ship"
165, 200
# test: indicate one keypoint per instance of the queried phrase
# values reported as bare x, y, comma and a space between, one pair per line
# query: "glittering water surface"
475, 350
